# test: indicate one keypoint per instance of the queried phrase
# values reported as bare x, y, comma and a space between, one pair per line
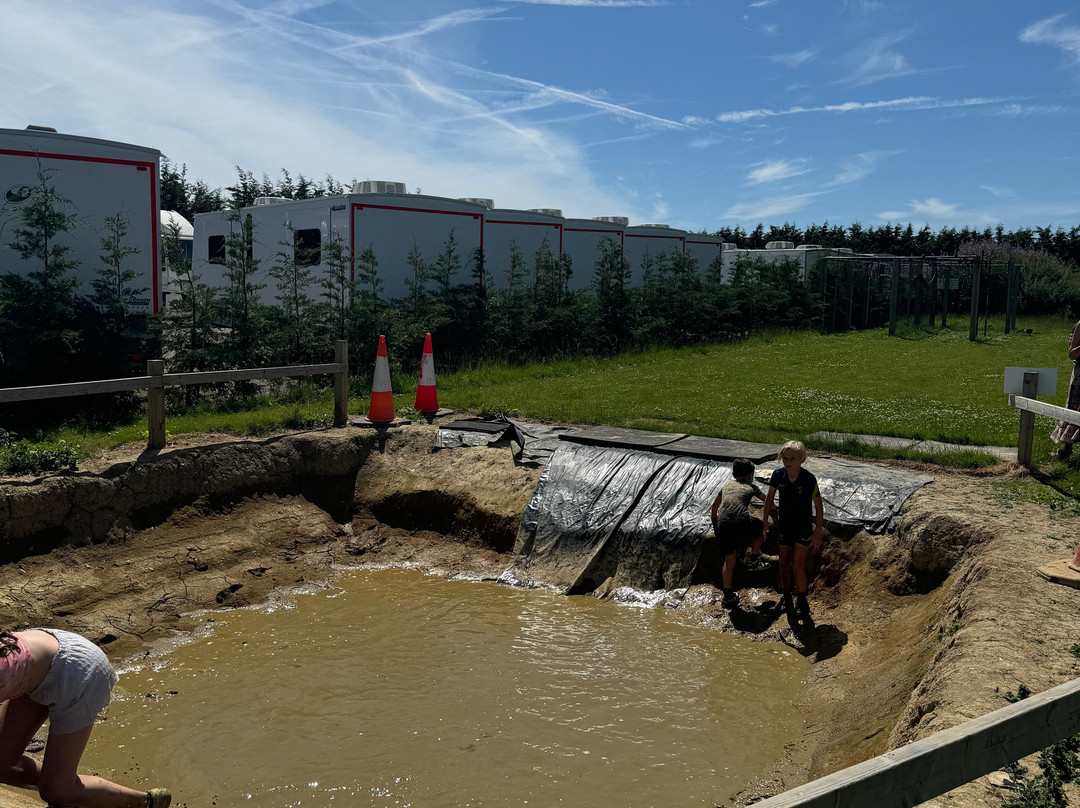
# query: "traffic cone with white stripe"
381, 406
427, 399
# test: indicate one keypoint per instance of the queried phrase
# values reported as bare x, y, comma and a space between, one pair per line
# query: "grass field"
926, 384
931, 384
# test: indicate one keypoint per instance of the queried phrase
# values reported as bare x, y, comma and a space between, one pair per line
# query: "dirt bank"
916, 632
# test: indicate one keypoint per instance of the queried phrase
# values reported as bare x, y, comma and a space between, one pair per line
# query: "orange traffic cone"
427, 400
381, 407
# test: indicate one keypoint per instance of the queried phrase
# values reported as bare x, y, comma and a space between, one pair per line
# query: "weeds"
1059, 764
1022, 692
947, 631
1074, 649
20, 456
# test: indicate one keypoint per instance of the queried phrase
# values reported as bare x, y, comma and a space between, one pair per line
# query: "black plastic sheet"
532, 444
638, 519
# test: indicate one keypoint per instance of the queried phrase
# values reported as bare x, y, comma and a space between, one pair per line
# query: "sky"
699, 114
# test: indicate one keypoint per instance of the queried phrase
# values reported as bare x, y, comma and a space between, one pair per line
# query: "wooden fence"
156, 380
928, 768
1029, 407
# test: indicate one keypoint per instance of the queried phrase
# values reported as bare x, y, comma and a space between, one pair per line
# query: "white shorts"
78, 686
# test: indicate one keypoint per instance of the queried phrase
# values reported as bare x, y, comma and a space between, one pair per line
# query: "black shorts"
790, 535
735, 535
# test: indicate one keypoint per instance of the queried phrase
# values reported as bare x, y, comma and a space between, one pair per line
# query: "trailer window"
215, 249
307, 247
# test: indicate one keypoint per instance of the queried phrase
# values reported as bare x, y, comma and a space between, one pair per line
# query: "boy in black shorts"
801, 516
735, 528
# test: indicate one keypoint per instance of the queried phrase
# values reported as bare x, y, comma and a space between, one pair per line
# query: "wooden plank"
9, 394
214, 376
1042, 408
918, 772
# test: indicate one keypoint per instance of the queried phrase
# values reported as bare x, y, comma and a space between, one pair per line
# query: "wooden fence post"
155, 404
894, 296
1027, 421
945, 298
341, 383
976, 280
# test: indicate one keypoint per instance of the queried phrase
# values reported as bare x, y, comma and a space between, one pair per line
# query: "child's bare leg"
19, 720
785, 568
801, 553
61, 784
729, 570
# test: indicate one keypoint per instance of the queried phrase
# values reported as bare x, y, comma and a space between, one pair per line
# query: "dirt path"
916, 632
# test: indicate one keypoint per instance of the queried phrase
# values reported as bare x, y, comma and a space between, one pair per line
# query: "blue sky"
693, 113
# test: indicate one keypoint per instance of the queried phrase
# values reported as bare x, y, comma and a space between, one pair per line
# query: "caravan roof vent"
378, 187
622, 221
809, 247
478, 200
728, 245
661, 226
33, 128
547, 211
270, 200
780, 245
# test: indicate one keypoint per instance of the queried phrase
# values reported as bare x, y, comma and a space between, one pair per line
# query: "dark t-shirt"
796, 502
735, 500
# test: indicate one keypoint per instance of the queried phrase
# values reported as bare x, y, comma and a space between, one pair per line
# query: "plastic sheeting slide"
640, 518
532, 444
600, 513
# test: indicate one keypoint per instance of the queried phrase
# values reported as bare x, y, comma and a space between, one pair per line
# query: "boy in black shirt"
801, 516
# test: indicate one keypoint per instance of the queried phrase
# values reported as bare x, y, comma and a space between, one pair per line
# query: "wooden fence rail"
928, 768
156, 380
1029, 408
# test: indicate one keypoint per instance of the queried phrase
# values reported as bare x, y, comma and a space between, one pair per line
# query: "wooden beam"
341, 383
9, 394
918, 772
155, 405
1042, 408
214, 376
1026, 442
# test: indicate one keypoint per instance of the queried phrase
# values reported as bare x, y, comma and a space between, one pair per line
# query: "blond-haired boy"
801, 514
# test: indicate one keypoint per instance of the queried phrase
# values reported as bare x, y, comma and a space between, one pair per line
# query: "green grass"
933, 385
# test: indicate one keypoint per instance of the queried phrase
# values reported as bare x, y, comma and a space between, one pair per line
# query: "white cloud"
763, 3
999, 192
794, 59
1051, 31
931, 208
592, 3
768, 208
855, 168
775, 170
705, 142
272, 89
896, 104
876, 61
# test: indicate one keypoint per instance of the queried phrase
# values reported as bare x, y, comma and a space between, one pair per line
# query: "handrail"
941, 762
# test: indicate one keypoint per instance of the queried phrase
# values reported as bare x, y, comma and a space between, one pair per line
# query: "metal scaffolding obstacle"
868, 291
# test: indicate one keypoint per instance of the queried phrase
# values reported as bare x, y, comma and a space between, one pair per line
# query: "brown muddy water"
399, 689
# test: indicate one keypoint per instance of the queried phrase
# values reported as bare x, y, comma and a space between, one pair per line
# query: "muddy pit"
916, 631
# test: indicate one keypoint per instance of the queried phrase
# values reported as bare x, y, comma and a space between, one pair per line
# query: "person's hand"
815, 540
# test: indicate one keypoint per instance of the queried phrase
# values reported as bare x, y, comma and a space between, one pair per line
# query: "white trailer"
805, 255
100, 178
652, 240
391, 224
394, 224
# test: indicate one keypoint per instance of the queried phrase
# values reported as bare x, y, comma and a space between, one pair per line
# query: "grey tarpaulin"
861, 494
640, 518
599, 512
470, 432
532, 444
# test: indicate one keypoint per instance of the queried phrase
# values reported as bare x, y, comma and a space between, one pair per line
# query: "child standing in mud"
733, 525
801, 514
65, 678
